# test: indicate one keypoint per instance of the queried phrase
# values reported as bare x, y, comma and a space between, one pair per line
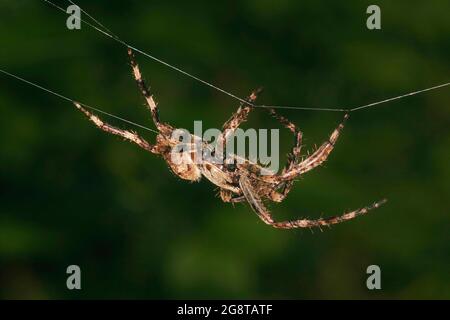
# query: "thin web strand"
111, 35
73, 101
92, 18
153, 57
399, 97
116, 38
365, 106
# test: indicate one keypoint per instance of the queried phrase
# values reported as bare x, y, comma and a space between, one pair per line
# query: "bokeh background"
71, 194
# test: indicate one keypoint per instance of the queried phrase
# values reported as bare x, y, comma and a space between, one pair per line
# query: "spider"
241, 182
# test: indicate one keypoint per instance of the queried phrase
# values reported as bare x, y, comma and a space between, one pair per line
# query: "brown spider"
241, 182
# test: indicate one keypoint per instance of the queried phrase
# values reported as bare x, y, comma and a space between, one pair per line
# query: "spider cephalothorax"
242, 181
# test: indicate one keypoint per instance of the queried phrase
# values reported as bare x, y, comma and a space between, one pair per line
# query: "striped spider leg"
249, 189
253, 188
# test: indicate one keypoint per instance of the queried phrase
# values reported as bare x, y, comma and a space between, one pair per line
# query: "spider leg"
312, 161
326, 222
293, 157
128, 135
240, 115
230, 197
257, 205
150, 102
285, 181
283, 186
236, 119
243, 111
266, 189
321, 154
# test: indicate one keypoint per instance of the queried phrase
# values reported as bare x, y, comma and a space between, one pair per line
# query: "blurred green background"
71, 194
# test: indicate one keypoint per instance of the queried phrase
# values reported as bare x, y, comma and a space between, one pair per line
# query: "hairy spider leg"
293, 157
127, 135
240, 116
258, 207
312, 161
150, 101
320, 155
243, 111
